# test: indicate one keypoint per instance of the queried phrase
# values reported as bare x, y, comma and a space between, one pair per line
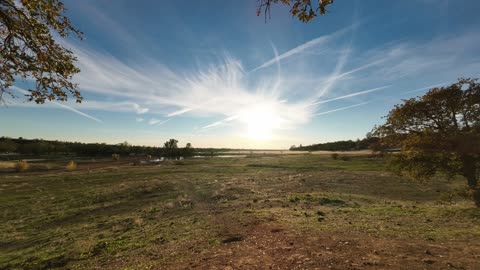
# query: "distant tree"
304, 10
124, 148
35, 148
358, 144
28, 49
188, 151
170, 148
438, 132
171, 144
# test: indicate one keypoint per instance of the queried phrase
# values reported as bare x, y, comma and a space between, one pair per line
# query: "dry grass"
21, 166
71, 166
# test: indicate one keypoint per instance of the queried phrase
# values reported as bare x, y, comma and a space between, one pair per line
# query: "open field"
299, 211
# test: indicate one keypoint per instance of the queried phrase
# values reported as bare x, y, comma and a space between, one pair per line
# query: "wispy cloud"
223, 88
139, 109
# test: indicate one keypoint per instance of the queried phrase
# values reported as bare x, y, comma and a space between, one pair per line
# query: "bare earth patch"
268, 247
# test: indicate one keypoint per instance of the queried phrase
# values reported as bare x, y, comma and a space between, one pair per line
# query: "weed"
71, 166
21, 165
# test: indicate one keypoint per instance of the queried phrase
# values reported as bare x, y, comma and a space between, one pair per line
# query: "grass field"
298, 211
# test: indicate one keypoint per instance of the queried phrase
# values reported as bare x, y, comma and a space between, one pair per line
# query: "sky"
214, 74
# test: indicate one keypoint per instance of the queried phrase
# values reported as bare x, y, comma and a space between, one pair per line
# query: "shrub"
331, 201
21, 166
116, 157
72, 165
334, 156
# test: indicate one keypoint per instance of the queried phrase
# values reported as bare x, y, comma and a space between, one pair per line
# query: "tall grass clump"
21, 166
72, 165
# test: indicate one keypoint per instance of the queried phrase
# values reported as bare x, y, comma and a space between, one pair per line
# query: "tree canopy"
29, 49
438, 132
304, 10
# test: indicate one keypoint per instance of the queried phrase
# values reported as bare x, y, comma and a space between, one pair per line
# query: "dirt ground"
268, 246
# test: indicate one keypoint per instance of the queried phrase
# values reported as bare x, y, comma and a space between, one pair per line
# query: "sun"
260, 123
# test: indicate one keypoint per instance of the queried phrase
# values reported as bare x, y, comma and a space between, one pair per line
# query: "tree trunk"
470, 172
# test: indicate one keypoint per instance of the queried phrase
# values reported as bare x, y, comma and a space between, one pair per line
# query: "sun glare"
261, 123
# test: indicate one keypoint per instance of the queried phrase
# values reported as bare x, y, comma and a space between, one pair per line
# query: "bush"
334, 156
21, 166
71, 165
116, 157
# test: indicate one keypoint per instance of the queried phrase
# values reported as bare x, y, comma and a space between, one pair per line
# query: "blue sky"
214, 74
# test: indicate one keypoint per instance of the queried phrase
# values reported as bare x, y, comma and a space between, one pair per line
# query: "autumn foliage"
438, 132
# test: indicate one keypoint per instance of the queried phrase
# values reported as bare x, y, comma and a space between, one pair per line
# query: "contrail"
351, 95
363, 103
221, 122
341, 109
303, 47
157, 122
77, 111
336, 77
333, 78
23, 91
182, 111
425, 88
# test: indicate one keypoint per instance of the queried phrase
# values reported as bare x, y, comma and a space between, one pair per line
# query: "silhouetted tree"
438, 132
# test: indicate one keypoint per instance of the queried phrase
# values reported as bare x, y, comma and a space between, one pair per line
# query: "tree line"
38, 147
369, 142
